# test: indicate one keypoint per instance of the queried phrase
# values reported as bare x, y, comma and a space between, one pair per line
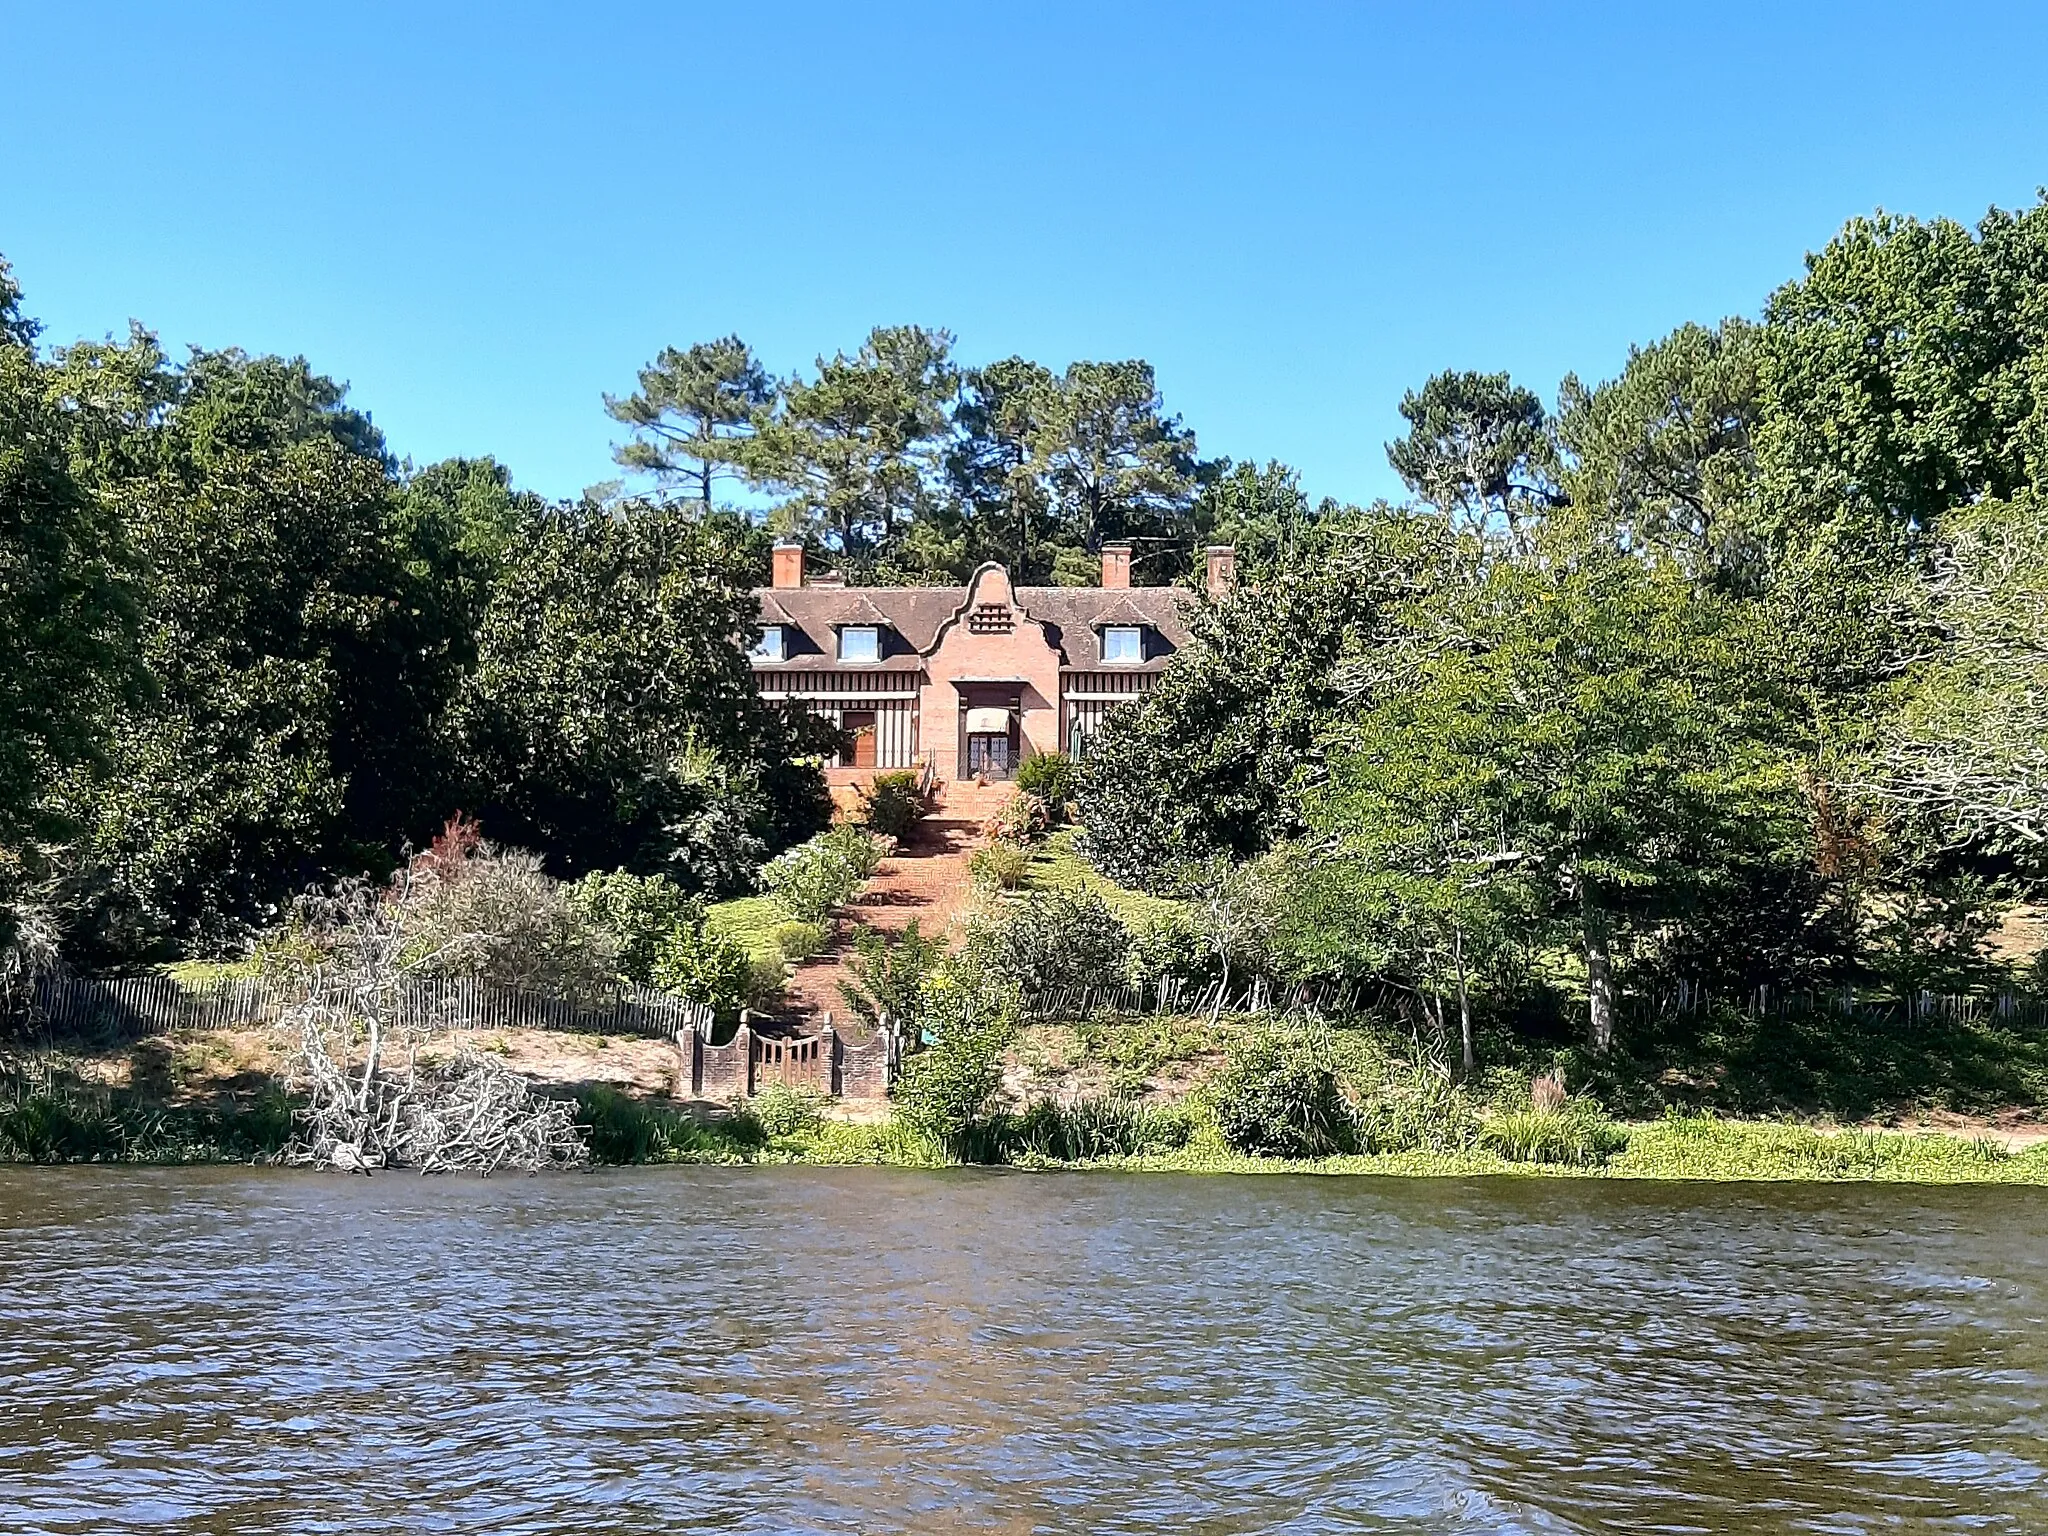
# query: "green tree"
1604, 728
1115, 464
286, 716
67, 610
1478, 450
1212, 761
860, 447
1662, 457
1901, 377
695, 415
991, 468
611, 720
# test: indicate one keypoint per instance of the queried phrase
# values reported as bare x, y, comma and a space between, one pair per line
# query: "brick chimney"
1222, 569
789, 564
1116, 565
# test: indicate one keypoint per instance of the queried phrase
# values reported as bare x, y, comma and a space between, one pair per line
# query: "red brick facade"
971, 680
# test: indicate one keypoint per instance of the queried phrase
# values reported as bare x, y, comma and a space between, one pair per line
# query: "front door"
988, 753
860, 725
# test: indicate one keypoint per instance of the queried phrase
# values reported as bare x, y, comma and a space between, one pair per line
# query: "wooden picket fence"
1339, 997
1685, 999
135, 1006
1261, 994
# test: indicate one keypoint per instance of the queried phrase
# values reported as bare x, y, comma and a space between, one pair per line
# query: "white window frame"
873, 635
770, 646
1136, 632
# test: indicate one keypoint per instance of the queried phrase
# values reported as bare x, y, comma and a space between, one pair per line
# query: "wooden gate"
793, 1063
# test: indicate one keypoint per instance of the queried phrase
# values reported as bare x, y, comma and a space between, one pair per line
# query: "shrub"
1052, 940
1169, 949
1024, 818
891, 974
784, 1111
998, 866
813, 878
1278, 1096
767, 975
1050, 777
1578, 1136
637, 912
947, 1089
862, 850
707, 968
798, 941
892, 804
495, 914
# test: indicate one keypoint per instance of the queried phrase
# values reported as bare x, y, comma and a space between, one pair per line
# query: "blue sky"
484, 217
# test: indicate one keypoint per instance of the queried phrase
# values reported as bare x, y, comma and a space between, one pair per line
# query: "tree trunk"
1599, 983
1464, 998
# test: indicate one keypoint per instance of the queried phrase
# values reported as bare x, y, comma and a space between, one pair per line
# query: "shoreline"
1686, 1150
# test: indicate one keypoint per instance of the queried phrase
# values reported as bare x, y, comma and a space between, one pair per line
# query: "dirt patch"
209, 1064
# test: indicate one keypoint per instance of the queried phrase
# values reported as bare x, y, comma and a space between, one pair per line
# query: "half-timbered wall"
1086, 697
890, 696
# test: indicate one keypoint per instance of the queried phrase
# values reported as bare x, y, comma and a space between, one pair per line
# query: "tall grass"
48, 1117
1575, 1136
621, 1129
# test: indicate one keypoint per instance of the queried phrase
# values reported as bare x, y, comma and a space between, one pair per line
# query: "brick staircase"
964, 802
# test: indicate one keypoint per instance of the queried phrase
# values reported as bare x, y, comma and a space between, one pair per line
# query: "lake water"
772, 1350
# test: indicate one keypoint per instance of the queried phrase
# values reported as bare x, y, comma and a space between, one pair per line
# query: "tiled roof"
915, 615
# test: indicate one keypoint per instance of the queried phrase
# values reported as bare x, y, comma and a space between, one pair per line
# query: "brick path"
926, 879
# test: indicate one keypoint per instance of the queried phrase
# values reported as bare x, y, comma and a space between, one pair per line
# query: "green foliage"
637, 913
1046, 941
815, 878
862, 851
891, 975
858, 448
1578, 1136
948, 1089
621, 1129
53, 1116
1048, 777
474, 910
1169, 949
999, 865
1278, 1096
67, 643
1087, 1130
799, 941
611, 720
1023, 819
892, 804
1477, 449
783, 1112
706, 967
1205, 765
696, 414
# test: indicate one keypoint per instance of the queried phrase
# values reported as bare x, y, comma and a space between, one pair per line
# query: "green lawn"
1060, 866
752, 920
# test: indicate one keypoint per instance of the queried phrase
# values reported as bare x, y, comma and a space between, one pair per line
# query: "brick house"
973, 679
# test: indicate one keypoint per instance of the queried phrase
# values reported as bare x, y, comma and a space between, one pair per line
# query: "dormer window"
860, 642
770, 647
1123, 644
